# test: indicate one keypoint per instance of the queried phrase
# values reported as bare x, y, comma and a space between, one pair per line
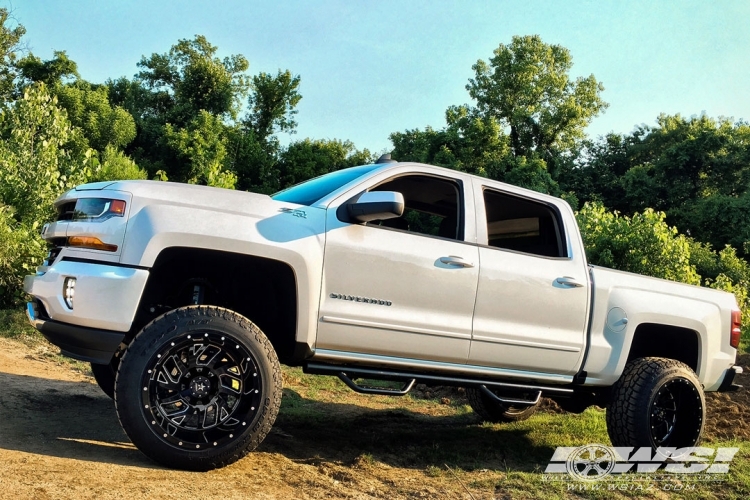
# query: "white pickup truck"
186, 298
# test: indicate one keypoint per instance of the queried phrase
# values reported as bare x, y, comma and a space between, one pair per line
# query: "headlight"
97, 209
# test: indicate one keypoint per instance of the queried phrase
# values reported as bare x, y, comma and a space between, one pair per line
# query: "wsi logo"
594, 462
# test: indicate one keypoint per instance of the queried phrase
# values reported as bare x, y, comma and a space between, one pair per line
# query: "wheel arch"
666, 341
263, 290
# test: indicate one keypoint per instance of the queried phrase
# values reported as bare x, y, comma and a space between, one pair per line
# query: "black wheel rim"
676, 414
201, 390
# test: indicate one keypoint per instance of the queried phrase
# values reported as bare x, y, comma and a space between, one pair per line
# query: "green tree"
306, 159
526, 86
253, 146
10, 44
116, 166
524, 89
272, 104
21, 250
469, 143
642, 243
89, 109
594, 171
51, 72
201, 147
39, 155
171, 97
190, 78
685, 159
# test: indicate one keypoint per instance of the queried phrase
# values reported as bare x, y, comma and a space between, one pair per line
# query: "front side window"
515, 223
432, 206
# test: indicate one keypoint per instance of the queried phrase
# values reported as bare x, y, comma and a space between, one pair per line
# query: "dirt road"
60, 438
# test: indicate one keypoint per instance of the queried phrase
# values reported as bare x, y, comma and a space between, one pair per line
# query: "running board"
421, 378
376, 390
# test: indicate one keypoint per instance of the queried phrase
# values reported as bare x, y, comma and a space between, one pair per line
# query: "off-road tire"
636, 415
105, 377
245, 378
490, 410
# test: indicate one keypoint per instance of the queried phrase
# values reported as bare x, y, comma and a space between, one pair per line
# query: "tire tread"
271, 403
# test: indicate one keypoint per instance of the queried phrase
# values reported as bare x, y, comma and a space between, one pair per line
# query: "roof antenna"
386, 158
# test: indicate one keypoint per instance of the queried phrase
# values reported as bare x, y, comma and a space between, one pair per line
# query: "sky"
370, 68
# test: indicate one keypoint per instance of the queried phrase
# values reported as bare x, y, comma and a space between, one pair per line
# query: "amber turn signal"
90, 242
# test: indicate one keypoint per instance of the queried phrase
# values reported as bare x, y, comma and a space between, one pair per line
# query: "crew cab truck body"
185, 299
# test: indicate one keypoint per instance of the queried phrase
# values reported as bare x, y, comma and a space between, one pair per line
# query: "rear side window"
522, 225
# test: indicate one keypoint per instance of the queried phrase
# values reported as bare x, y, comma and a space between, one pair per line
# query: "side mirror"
376, 205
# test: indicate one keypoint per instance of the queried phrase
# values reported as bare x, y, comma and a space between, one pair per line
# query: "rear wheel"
198, 388
657, 402
491, 410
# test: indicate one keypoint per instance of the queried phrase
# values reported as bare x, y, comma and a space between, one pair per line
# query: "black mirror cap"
375, 205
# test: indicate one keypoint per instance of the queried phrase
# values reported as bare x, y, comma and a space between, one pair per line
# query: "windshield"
308, 192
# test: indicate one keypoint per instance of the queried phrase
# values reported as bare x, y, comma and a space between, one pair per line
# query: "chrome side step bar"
504, 400
376, 390
424, 378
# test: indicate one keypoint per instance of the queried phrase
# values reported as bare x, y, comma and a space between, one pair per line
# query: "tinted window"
431, 206
308, 192
522, 225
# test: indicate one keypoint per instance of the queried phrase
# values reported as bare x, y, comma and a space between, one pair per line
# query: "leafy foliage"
526, 86
642, 244
39, 155
51, 72
190, 78
524, 90
21, 249
89, 109
201, 147
310, 158
10, 44
116, 166
273, 104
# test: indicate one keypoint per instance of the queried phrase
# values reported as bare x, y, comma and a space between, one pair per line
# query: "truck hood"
200, 197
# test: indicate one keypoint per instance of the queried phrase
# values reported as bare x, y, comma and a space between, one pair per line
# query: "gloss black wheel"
198, 388
676, 415
657, 402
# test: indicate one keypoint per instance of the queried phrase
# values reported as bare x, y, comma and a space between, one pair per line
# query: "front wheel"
198, 388
657, 402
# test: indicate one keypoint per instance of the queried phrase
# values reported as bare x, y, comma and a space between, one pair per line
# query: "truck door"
533, 293
402, 287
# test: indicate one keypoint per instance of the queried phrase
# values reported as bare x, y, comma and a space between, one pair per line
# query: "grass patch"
415, 437
14, 325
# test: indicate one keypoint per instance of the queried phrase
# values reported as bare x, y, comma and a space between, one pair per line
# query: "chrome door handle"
568, 282
456, 261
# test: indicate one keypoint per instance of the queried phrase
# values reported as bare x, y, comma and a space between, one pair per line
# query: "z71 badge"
295, 212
